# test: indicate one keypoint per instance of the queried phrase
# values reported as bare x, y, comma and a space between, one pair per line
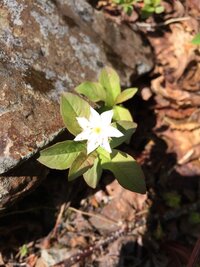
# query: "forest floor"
73, 225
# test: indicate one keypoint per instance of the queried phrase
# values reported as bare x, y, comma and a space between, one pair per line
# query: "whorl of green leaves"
73, 155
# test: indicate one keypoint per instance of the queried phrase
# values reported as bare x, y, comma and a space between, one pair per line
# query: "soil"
69, 224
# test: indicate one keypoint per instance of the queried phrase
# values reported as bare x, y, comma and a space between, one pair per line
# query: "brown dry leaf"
178, 9
113, 189
82, 223
122, 207
186, 144
177, 94
41, 263
194, 5
78, 241
31, 260
174, 50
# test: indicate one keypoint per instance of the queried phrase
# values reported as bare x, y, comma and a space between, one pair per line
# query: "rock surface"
16, 184
47, 47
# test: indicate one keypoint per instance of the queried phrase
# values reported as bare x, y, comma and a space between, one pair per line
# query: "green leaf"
125, 127
147, 11
23, 251
194, 217
159, 9
93, 175
147, 2
125, 95
128, 9
73, 106
126, 170
172, 199
156, 2
61, 155
94, 91
109, 79
104, 155
121, 114
81, 164
196, 39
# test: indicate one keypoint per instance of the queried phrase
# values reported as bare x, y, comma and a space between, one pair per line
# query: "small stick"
96, 215
98, 246
58, 220
161, 24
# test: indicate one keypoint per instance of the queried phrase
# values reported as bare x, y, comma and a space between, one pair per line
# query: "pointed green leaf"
73, 106
125, 127
93, 175
157, 2
121, 114
109, 79
159, 9
103, 154
126, 170
147, 2
147, 11
126, 94
128, 9
61, 155
81, 164
148, 8
93, 91
196, 39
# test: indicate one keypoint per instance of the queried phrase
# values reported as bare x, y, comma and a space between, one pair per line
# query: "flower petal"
83, 122
94, 116
105, 144
92, 144
113, 132
106, 117
85, 135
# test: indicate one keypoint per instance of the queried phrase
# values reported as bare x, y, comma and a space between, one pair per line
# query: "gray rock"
47, 47
17, 183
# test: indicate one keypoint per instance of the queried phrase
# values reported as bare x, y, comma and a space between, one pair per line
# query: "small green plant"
194, 217
172, 199
196, 39
23, 251
97, 134
126, 5
150, 7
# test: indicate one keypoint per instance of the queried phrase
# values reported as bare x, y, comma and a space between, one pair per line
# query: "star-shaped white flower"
97, 130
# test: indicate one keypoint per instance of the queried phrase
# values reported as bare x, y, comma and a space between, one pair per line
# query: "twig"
124, 230
59, 218
96, 215
161, 24
98, 246
46, 241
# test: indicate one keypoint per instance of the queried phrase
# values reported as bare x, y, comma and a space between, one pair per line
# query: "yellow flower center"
97, 130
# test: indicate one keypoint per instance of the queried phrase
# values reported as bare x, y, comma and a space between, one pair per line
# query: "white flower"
97, 130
